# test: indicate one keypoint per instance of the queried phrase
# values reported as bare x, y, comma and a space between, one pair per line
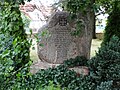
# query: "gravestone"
59, 45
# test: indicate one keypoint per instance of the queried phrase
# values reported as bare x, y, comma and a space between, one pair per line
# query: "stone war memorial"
60, 45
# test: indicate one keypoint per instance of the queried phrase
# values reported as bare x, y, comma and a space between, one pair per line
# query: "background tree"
87, 11
113, 24
101, 7
83, 14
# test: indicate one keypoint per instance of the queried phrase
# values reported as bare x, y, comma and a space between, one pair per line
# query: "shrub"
105, 66
105, 86
14, 44
102, 68
60, 75
77, 61
64, 77
51, 86
113, 23
14, 62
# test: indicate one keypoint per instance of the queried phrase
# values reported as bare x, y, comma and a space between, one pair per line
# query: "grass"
33, 52
94, 48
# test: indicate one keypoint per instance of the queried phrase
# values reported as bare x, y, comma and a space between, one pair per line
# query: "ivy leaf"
41, 44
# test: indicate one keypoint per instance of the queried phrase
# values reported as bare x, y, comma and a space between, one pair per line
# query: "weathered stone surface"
81, 70
41, 65
60, 45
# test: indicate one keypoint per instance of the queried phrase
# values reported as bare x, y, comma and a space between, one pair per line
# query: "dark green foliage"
78, 61
6, 42
15, 1
105, 66
10, 80
105, 86
26, 21
113, 24
14, 57
75, 6
60, 75
14, 44
75, 9
82, 83
104, 69
107, 60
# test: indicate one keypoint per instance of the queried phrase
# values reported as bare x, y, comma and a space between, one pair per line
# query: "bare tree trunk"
94, 28
84, 42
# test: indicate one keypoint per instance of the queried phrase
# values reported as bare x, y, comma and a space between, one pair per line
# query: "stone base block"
44, 65
81, 70
41, 65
